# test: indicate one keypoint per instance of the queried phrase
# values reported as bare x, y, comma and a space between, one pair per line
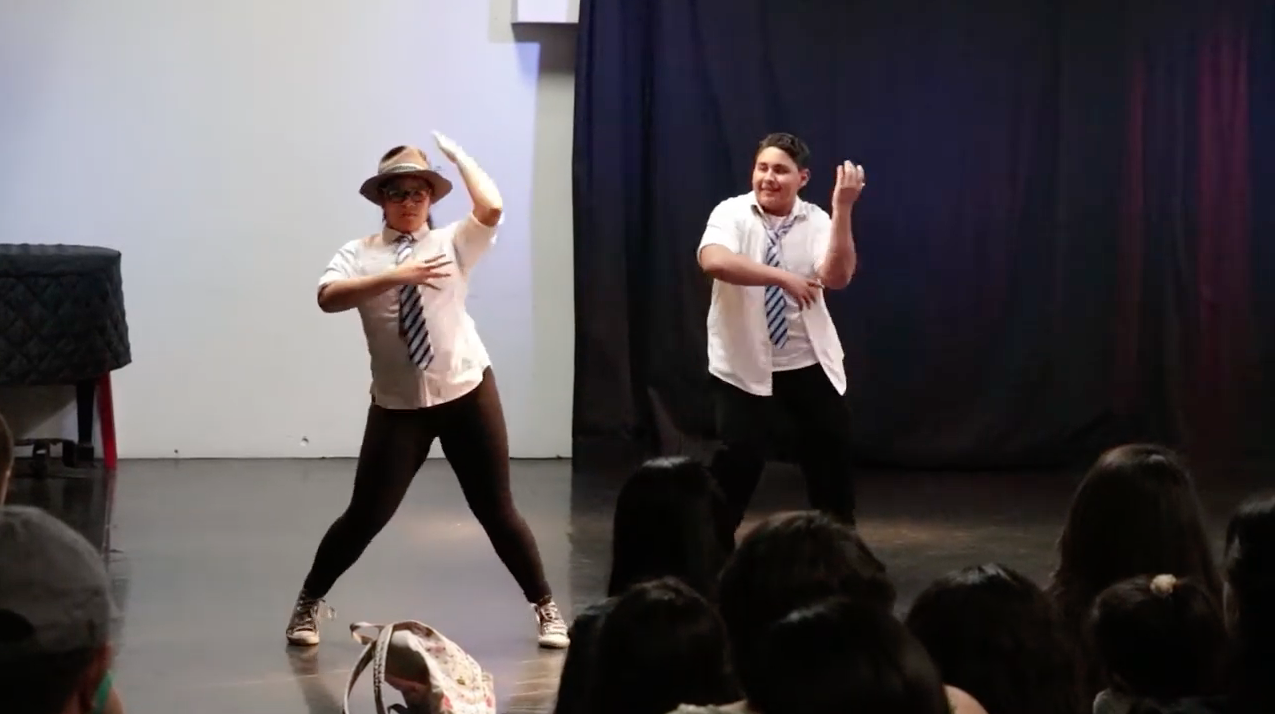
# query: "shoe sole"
303, 641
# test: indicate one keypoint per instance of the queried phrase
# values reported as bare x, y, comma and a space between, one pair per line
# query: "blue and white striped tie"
411, 314
776, 322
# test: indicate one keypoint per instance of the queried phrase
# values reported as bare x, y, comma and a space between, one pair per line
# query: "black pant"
395, 444
822, 419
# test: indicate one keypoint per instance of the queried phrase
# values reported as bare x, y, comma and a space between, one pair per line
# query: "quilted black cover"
61, 314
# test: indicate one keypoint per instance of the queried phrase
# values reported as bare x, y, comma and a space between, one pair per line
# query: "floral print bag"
433, 673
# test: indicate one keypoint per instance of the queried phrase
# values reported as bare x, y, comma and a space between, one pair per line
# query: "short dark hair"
1160, 640
789, 562
661, 646
789, 144
845, 656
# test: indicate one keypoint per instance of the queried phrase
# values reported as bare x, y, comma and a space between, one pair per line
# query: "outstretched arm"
839, 262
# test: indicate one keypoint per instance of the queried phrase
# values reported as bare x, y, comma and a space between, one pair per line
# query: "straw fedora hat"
405, 161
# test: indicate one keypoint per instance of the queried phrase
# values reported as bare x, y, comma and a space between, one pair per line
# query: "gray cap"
55, 580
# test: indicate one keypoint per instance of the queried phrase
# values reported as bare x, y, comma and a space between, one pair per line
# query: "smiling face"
779, 172
406, 203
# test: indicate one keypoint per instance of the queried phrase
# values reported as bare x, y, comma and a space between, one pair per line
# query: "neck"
779, 211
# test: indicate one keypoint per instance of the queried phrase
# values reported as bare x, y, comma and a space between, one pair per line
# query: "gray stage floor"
208, 555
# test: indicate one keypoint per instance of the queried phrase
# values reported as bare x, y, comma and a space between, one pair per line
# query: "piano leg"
106, 416
83, 454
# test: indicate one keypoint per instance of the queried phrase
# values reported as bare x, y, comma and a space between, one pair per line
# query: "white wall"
219, 146
551, 11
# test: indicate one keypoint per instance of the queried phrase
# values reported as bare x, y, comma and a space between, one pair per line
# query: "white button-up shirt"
739, 349
459, 355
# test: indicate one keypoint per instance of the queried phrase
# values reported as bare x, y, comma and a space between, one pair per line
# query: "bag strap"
375, 652
364, 659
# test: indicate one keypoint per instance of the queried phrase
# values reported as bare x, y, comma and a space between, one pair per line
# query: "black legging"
395, 444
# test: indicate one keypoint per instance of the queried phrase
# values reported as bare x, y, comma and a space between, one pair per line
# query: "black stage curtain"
1068, 216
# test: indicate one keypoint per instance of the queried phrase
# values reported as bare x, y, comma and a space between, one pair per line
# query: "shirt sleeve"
722, 229
344, 265
471, 239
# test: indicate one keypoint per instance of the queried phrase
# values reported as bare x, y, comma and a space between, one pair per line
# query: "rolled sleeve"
343, 265
471, 239
722, 229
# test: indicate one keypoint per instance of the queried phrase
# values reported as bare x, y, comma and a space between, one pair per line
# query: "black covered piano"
62, 322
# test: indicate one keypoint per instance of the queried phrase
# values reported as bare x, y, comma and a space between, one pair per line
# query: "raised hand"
450, 148
849, 184
421, 272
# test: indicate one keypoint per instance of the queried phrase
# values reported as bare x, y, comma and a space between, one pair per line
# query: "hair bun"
1163, 585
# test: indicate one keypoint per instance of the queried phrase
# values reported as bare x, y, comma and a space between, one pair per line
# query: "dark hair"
995, 634
839, 655
666, 525
40, 684
789, 144
1135, 513
661, 646
790, 561
1250, 573
1159, 638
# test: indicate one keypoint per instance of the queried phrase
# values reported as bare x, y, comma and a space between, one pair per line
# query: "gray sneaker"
553, 629
303, 628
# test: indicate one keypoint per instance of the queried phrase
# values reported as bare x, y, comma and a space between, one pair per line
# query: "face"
776, 180
406, 203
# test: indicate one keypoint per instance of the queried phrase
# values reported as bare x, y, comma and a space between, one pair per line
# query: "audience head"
1159, 638
666, 525
995, 634
661, 646
1135, 513
839, 655
790, 561
6, 458
55, 617
1250, 603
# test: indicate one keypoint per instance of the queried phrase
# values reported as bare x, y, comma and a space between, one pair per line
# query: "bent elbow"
489, 215
326, 303
836, 279
837, 282
711, 263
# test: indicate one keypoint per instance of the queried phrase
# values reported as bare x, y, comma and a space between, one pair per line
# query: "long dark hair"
661, 646
1135, 513
839, 655
1250, 575
995, 634
665, 525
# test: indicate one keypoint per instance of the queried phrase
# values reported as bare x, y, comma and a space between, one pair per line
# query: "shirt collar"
799, 209
389, 236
